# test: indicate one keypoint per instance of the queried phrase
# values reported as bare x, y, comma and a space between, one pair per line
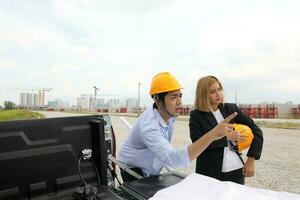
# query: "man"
147, 149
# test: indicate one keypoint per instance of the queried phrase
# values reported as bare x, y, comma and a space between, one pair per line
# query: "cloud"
72, 45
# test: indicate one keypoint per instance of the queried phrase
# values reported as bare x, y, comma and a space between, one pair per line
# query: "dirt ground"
279, 166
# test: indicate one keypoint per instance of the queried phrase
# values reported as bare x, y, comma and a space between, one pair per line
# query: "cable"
80, 175
113, 173
89, 192
162, 106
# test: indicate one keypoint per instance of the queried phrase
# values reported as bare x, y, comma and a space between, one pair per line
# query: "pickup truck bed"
39, 159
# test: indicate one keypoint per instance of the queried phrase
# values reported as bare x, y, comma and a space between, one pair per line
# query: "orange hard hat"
164, 82
244, 130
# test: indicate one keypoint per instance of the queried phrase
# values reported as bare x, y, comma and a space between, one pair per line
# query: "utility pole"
95, 97
139, 98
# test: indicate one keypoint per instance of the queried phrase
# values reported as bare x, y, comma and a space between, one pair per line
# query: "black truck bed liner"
39, 160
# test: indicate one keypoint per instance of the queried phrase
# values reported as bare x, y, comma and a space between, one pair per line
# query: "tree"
8, 105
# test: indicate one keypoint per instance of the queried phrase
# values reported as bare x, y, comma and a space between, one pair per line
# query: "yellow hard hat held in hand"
246, 131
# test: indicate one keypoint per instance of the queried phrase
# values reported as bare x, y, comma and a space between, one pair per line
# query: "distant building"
41, 98
273, 110
100, 103
131, 103
58, 103
35, 100
31, 99
87, 101
113, 103
84, 101
26, 100
284, 110
23, 99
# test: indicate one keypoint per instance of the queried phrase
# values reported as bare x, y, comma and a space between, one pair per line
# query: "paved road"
278, 169
59, 114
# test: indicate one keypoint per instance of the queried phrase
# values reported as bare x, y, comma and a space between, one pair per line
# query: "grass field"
284, 125
7, 115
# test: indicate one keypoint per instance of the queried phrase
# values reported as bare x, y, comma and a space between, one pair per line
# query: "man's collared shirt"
148, 145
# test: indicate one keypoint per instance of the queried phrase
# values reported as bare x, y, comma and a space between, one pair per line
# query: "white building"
26, 99
113, 103
100, 103
36, 100
84, 101
131, 103
32, 99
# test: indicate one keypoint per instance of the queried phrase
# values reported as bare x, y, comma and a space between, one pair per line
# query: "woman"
221, 160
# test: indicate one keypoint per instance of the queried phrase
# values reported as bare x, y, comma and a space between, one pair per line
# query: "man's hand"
224, 128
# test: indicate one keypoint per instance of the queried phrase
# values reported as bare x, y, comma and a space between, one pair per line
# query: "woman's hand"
237, 136
248, 169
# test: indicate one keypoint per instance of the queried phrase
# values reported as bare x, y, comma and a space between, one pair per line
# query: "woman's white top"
231, 160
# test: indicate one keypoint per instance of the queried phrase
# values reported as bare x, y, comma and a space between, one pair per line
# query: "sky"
72, 45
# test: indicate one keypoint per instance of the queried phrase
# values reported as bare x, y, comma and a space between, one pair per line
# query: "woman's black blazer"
210, 161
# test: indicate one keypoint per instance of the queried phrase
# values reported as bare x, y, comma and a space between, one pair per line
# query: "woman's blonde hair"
202, 101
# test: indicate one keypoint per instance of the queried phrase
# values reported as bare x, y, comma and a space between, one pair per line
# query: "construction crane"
96, 89
95, 96
40, 101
